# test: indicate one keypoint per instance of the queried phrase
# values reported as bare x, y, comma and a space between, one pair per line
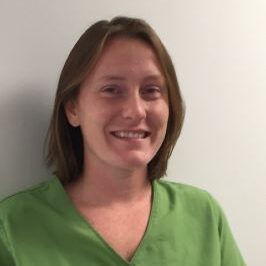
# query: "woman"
118, 112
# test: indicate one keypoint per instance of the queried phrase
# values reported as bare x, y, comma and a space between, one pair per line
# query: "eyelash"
150, 91
111, 90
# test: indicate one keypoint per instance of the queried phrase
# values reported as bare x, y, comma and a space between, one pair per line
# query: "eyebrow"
155, 78
151, 77
112, 77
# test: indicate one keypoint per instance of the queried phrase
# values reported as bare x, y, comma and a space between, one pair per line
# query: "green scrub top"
41, 227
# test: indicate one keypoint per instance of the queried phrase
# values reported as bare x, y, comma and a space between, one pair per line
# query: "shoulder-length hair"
64, 143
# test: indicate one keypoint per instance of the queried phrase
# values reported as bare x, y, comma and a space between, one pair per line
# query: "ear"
71, 113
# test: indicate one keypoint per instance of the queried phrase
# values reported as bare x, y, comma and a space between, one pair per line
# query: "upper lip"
132, 130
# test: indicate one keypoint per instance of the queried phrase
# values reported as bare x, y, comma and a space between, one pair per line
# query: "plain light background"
219, 51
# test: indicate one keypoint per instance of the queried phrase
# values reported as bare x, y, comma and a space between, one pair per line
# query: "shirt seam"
42, 186
6, 241
153, 216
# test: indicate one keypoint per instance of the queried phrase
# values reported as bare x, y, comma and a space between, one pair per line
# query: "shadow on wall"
24, 118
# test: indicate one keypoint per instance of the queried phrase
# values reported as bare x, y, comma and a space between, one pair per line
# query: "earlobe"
71, 113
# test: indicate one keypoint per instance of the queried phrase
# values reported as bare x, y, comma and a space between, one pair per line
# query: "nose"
134, 108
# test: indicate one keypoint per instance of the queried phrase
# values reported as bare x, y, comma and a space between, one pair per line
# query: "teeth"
128, 134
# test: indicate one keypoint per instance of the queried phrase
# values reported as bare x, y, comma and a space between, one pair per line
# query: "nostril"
134, 111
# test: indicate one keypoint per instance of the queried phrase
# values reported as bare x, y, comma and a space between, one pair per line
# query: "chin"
134, 162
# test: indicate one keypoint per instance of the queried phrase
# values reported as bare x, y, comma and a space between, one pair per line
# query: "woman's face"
122, 107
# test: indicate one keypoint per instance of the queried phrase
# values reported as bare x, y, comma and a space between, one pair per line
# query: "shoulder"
188, 198
182, 191
197, 213
20, 201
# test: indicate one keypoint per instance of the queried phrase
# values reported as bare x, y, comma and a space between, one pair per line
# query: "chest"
121, 228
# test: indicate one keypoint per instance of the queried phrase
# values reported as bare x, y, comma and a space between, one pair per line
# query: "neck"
103, 185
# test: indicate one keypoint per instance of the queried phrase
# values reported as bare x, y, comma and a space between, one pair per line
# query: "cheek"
162, 115
166, 114
159, 124
96, 122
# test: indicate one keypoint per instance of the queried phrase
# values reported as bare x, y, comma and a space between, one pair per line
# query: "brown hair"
64, 143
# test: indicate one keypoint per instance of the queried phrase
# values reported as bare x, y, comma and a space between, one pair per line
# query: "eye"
152, 92
111, 90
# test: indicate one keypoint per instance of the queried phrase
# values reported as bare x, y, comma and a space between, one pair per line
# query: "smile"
130, 134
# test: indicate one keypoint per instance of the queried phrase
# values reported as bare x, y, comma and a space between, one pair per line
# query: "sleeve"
6, 258
230, 254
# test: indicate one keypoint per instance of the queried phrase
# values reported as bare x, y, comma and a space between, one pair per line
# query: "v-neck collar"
72, 214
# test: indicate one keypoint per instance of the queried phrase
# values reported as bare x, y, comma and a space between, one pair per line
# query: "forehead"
121, 54
124, 45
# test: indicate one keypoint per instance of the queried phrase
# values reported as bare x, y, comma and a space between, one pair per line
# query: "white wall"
219, 49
